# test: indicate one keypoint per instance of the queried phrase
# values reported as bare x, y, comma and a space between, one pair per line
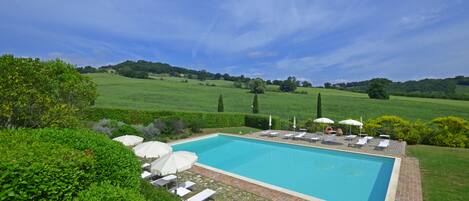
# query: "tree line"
427, 88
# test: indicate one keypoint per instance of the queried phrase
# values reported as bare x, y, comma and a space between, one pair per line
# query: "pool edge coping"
390, 193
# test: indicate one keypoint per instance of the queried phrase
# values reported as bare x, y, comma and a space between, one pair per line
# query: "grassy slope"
170, 93
445, 172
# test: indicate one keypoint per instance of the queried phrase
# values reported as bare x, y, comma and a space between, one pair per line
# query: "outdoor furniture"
368, 138
129, 140
315, 138
145, 165
383, 144
350, 137
163, 181
385, 136
361, 142
264, 133
273, 134
330, 138
145, 174
302, 129
300, 136
289, 135
187, 185
362, 134
203, 195
180, 191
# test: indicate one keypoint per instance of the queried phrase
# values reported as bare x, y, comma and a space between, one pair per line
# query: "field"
174, 94
444, 172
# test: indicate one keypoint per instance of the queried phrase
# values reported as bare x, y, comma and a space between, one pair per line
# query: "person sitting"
329, 130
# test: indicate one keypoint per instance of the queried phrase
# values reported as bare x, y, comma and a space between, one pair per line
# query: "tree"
306, 84
221, 108
288, 85
377, 89
38, 93
255, 105
257, 86
327, 85
319, 107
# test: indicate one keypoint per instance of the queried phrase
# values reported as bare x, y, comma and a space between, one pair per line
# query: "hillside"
174, 94
449, 88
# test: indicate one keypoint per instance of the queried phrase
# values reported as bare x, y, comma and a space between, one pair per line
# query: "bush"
196, 126
449, 131
394, 126
39, 94
107, 192
34, 170
155, 194
149, 132
125, 130
114, 162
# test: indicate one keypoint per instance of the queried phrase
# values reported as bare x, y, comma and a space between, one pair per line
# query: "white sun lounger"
180, 191
273, 134
264, 133
300, 136
361, 142
163, 181
368, 138
205, 194
289, 135
315, 138
383, 144
145, 174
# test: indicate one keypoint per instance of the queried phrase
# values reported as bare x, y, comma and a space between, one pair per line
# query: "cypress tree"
255, 105
318, 107
221, 108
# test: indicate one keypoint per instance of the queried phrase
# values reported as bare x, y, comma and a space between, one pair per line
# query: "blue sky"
314, 40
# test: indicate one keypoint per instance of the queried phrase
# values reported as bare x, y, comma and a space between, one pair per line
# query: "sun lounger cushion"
383, 143
205, 194
180, 191
145, 174
361, 141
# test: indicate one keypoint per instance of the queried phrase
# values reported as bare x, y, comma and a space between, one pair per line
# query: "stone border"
390, 193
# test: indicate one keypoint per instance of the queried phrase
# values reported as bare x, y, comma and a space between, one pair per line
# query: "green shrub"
155, 194
38, 93
107, 192
448, 131
125, 130
114, 162
34, 170
394, 126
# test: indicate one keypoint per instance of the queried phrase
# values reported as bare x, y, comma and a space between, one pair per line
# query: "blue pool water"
325, 174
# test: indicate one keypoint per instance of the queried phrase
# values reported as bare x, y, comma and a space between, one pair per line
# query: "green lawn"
172, 94
445, 172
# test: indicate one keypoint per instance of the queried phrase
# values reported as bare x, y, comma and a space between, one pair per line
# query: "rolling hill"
171, 93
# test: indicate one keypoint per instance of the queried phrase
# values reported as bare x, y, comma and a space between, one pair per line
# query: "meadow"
170, 93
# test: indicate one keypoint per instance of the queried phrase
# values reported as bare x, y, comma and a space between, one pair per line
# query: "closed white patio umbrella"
270, 122
152, 149
129, 140
351, 123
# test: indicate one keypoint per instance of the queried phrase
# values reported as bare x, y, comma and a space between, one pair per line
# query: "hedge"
208, 119
55, 164
32, 170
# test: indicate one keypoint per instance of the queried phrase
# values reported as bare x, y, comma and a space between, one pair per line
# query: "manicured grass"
232, 130
172, 94
445, 172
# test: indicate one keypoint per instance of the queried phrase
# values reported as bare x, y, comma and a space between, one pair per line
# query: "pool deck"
409, 183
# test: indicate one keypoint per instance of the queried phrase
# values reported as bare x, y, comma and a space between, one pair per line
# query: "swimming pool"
320, 173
